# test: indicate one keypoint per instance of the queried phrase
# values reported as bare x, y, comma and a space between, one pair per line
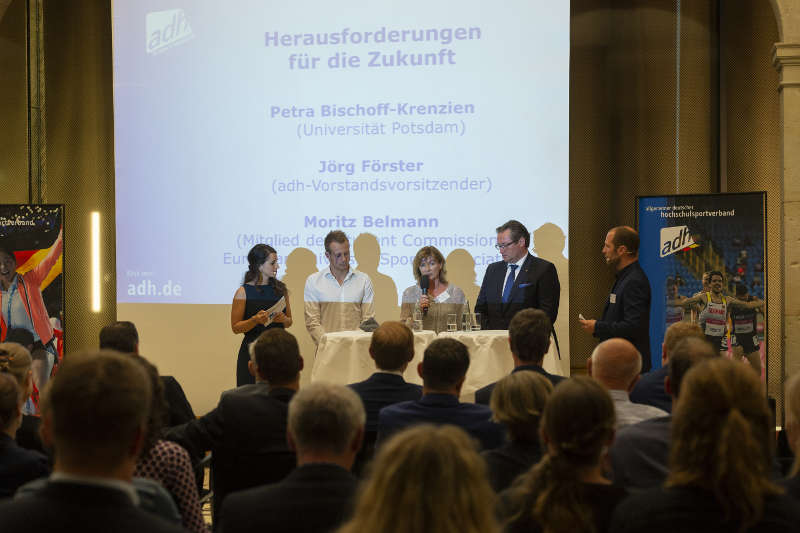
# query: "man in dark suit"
246, 432
627, 311
123, 336
94, 417
519, 281
529, 337
326, 425
650, 390
443, 369
392, 348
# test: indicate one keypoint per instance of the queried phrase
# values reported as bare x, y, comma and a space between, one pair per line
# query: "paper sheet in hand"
275, 309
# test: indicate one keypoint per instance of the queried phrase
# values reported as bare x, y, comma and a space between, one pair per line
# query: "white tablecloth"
343, 357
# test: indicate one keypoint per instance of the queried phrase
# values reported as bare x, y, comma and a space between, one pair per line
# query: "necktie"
509, 283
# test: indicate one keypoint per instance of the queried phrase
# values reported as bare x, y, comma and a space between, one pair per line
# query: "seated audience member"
123, 337
792, 398
443, 369
529, 338
425, 479
326, 426
640, 452
16, 361
720, 461
166, 462
517, 402
566, 491
392, 348
247, 430
94, 417
649, 390
17, 465
615, 363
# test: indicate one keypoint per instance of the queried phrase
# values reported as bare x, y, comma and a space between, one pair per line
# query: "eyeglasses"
504, 245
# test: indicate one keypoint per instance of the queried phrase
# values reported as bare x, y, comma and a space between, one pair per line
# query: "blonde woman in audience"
517, 403
566, 491
720, 461
792, 397
16, 361
425, 479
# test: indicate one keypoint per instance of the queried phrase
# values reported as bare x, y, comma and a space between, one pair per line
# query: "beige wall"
622, 144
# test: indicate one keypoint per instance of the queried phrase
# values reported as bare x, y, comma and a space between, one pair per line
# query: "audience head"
425, 478
275, 358
444, 365
576, 429
16, 361
616, 364
326, 420
529, 335
20, 336
792, 399
120, 336
10, 412
685, 354
392, 346
159, 410
94, 413
722, 439
676, 333
518, 401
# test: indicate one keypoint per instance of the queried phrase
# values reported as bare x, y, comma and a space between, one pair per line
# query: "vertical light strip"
95, 235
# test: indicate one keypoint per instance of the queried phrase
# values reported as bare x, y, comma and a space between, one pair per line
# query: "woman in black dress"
259, 291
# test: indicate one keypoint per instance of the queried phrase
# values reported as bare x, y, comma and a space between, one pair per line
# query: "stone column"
786, 58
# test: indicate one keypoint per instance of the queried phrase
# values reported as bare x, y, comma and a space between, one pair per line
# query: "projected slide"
416, 122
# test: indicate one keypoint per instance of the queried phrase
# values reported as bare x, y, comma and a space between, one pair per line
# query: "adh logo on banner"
676, 238
165, 29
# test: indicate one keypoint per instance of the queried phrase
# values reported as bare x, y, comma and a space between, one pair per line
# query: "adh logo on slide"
165, 29
676, 238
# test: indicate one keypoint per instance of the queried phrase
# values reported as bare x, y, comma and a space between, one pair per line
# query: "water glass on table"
452, 322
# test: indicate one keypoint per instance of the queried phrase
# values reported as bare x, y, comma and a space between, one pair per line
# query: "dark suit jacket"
180, 411
18, 466
536, 285
483, 395
442, 409
246, 434
378, 391
649, 390
62, 506
628, 316
504, 464
314, 498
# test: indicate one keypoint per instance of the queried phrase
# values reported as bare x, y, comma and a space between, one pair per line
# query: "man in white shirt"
337, 298
616, 364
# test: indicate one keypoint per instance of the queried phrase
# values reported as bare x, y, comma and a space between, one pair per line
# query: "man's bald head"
616, 364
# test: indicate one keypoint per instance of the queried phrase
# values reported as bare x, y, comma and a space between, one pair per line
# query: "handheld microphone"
424, 282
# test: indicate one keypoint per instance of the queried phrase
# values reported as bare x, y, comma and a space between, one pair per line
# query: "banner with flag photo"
684, 236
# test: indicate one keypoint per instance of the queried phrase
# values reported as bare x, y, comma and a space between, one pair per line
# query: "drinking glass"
476, 321
452, 322
465, 322
417, 324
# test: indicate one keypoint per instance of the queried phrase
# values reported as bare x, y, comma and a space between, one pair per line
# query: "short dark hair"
687, 353
628, 237
713, 273
741, 289
529, 334
518, 231
277, 356
97, 404
20, 336
336, 235
444, 363
120, 336
392, 345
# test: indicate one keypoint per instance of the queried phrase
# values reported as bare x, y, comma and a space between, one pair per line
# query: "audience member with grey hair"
94, 417
616, 364
326, 426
